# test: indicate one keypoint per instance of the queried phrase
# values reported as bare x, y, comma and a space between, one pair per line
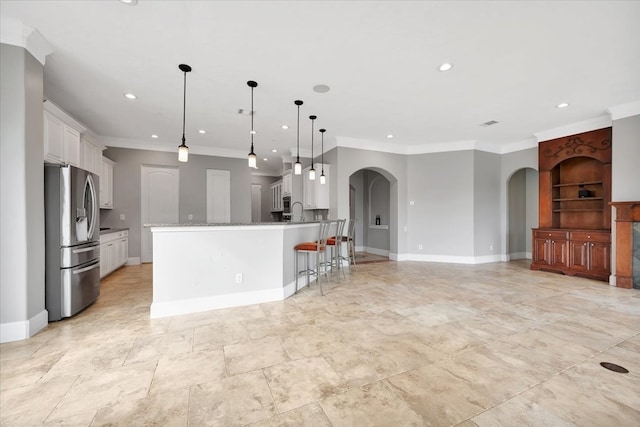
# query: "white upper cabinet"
91, 155
316, 195
53, 139
286, 183
61, 136
106, 184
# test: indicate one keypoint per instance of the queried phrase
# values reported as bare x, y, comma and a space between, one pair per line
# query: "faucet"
293, 216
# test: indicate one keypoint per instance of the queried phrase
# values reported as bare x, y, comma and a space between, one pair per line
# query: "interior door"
160, 186
218, 196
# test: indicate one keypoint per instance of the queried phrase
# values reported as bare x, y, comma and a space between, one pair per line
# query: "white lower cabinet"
114, 251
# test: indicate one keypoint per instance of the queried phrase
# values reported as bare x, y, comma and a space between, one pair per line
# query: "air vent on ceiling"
489, 123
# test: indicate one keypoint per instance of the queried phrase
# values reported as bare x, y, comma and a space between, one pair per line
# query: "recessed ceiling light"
154, 136
321, 88
129, 2
445, 67
130, 96
202, 131
389, 136
274, 151
265, 159
285, 127
562, 105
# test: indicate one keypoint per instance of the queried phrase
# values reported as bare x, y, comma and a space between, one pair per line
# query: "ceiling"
513, 62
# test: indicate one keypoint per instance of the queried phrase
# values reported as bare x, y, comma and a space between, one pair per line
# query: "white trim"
376, 251
133, 260
155, 145
195, 305
519, 146
612, 280
16, 331
519, 255
573, 128
15, 33
64, 116
452, 259
379, 227
625, 110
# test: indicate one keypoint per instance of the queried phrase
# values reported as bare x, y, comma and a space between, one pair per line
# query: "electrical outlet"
491, 248
411, 203
190, 216
405, 228
420, 246
121, 217
238, 277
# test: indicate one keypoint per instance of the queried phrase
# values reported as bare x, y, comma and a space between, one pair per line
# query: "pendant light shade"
297, 167
252, 156
312, 171
323, 178
183, 150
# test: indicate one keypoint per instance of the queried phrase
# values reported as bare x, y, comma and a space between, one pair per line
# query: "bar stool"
350, 239
319, 247
335, 244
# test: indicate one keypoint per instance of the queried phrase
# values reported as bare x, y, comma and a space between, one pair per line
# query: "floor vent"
613, 367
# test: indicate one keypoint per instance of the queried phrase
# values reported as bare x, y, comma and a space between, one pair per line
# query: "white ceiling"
513, 63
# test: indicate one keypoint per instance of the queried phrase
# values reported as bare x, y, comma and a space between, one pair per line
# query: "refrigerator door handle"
91, 267
79, 251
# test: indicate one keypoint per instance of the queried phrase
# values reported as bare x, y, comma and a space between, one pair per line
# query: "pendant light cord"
322, 148
298, 138
312, 121
252, 119
184, 107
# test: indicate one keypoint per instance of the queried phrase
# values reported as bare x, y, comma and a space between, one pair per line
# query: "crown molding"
15, 33
574, 128
158, 146
624, 110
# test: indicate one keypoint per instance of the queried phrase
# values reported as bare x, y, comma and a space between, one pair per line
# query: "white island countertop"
199, 267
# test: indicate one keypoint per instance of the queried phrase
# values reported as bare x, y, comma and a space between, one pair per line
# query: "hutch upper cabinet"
574, 234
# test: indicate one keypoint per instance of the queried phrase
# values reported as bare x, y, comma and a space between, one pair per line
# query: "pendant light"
297, 167
252, 155
183, 150
312, 171
323, 178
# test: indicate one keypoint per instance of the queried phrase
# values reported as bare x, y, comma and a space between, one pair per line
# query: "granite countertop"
232, 224
108, 230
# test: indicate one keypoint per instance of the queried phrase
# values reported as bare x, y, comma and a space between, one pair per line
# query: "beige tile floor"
395, 344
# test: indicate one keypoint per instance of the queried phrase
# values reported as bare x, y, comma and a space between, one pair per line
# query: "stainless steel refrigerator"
72, 239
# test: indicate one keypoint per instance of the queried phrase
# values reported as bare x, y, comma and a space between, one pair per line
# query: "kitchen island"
199, 267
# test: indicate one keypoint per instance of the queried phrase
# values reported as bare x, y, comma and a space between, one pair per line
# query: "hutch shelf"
574, 233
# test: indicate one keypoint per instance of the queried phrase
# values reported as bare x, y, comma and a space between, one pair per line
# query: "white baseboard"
133, 260
196, 305
451, 259
519, 255
16, 331
377, 251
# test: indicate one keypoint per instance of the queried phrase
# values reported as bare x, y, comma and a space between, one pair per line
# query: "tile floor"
396, 344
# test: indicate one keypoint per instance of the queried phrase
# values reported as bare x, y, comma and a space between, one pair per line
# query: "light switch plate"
121, 217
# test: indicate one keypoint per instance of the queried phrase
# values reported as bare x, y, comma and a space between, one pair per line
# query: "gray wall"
22, 186
193, 199
441, 219
391, 166
265, 182
625, 164
510, 163
517, 199
373, 193
486, 203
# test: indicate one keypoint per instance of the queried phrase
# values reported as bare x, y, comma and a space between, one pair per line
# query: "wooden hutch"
574, 234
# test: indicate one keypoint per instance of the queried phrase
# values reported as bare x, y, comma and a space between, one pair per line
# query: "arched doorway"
522, 212
370, 204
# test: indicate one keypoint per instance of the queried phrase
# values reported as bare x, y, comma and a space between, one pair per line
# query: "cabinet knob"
588, 237
549, 234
